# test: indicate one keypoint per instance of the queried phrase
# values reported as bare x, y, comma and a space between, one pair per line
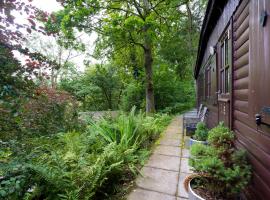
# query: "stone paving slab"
173, 129
141, 194
170, 142
168, 150
181, 198
172, 135
171, 163
181, 190
165, 172
184, 166
185, 153
186, 142
158, 180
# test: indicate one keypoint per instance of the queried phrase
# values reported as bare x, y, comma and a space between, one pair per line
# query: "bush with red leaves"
49, 112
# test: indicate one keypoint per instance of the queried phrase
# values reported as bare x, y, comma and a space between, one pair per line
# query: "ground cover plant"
80, 165
223, 171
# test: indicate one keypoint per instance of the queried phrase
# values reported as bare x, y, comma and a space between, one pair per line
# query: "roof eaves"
213, 12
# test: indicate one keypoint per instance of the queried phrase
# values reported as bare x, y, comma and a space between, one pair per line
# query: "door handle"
259, 121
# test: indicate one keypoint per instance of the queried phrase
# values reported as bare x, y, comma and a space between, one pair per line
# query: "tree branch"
138, 9
136, 43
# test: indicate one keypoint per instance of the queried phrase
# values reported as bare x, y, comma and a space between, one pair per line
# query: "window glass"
222, 81
226, 52
225, 65
222, 55
227, 78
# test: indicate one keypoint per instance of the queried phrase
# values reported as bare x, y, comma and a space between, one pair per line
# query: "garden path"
164, 173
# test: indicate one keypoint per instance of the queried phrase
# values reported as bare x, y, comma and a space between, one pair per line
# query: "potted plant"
222, 171
200, 135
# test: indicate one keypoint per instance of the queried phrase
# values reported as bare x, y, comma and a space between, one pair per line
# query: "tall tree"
123, 24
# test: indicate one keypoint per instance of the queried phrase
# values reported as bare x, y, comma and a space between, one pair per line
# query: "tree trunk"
148, 62
190, 19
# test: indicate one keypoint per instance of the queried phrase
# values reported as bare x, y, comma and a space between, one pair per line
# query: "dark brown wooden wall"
220, 26
250, 85
212, 118
251, 89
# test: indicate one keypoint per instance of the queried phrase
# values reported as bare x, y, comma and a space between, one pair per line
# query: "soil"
206, 194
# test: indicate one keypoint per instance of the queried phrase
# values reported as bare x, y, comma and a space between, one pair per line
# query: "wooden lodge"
233, 79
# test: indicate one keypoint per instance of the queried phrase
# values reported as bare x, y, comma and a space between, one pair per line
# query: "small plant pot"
190, 130
191, 193
193, 141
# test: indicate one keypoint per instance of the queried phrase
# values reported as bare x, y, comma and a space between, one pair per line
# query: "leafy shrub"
224, 170
201, 132
133, 95
15, 86
10, 122
14, 182
220, 136
49, 112
178, 108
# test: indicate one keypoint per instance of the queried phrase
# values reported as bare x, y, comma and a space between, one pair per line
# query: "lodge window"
225, 64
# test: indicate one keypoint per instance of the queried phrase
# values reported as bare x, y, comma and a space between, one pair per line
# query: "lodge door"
225, 76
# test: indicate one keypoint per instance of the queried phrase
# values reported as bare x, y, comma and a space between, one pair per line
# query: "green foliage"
201, 151
201, 132
80, 165
129, 32
224, 170
178, 108
107, 80
10, 85
108, 87
13, 184
133, 95
131, 130
99, 88
221, 136
172, 98
14, 90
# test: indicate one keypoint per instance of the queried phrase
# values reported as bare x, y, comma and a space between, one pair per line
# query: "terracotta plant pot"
193, 141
